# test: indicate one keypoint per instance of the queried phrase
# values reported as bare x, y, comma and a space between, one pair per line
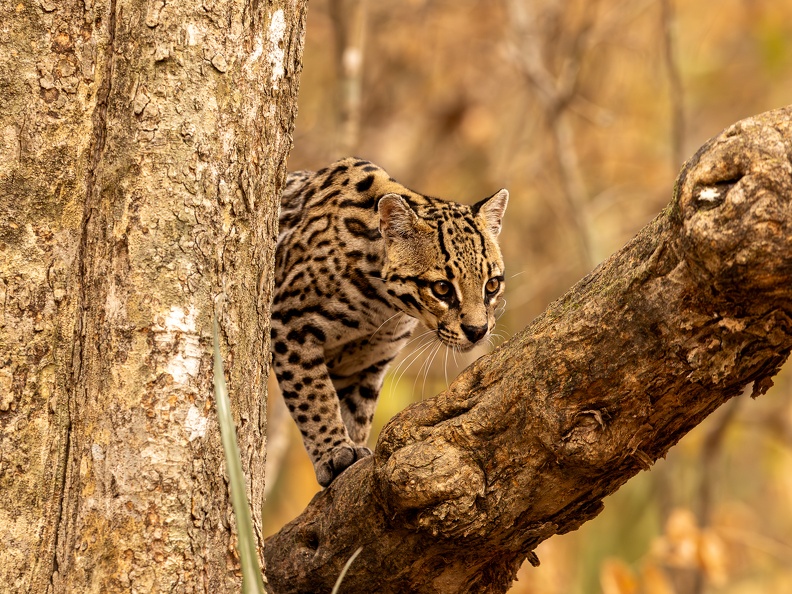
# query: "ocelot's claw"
337, 461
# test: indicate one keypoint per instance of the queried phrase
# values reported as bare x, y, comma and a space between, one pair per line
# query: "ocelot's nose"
474, 333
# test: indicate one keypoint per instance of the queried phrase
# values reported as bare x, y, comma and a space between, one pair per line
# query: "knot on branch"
434, 485
581, 440
733, 205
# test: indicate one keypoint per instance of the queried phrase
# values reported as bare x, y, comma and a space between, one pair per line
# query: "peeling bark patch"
176, 334
195, 423
193, 35
97, 452
6, 392
219, 62
276, 33
153, 13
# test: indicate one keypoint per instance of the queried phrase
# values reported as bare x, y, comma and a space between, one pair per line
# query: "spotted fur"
361, 260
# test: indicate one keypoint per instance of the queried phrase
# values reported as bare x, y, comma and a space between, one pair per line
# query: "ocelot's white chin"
467, 347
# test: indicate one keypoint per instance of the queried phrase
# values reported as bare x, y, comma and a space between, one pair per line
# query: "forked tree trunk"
527, 442
143, 147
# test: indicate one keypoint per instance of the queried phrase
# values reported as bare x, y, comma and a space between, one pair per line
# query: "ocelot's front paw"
337, 460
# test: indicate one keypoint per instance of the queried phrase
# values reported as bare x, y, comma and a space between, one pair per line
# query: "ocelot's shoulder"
352, 173
355, 175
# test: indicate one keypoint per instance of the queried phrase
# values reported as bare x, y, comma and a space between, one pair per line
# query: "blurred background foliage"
585, 111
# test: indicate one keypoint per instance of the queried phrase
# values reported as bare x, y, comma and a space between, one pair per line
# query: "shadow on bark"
528, 440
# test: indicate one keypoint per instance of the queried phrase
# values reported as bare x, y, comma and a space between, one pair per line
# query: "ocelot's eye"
441, 289
492, 286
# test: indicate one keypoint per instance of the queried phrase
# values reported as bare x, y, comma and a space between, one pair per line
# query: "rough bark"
143, 147
527, 442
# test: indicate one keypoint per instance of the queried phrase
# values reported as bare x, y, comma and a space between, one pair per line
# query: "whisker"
418, 354
414, 338
420, 336
383, 323
414, 356
401, 363
445, 366
518, 273
420, 369
500, 338
410, 356
417, 375
428, 366
396, 329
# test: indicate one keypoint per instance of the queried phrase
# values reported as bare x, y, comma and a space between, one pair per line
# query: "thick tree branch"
527, 442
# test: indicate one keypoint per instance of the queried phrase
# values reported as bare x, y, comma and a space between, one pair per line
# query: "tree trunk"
527, 442
144, 144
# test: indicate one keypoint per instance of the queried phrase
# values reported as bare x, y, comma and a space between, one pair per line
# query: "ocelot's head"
443, 265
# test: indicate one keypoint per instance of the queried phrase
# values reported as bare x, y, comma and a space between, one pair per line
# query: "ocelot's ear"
397, 219
491, 210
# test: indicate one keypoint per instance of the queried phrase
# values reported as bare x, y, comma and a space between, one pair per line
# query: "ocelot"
360, 261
